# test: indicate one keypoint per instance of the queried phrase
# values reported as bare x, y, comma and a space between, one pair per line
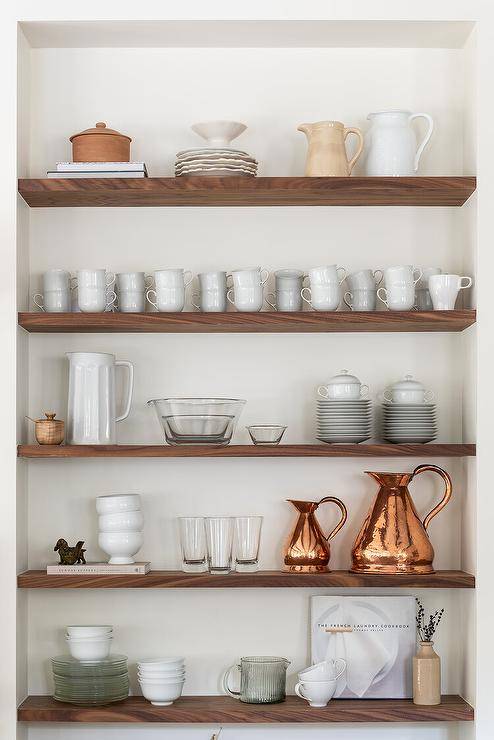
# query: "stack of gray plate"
90, 682
215, 163
344, 421
409, 422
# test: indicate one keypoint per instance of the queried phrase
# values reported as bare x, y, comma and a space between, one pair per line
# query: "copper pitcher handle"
447, 492
343, 510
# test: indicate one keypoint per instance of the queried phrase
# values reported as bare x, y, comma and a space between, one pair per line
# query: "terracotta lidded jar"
100, 144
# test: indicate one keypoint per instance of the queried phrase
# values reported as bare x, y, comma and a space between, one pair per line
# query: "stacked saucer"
90, 682
343, 415
217, 158
409, 422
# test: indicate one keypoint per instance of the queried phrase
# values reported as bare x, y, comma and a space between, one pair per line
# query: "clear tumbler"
247, 540
193, 544
219, 537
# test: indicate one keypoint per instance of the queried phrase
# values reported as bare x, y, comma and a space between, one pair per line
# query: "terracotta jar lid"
100, 128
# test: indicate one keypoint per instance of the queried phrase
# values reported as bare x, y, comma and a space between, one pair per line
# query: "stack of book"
99, 569
99, 169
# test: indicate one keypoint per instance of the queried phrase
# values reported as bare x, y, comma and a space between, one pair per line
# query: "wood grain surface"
225, 710
261, 579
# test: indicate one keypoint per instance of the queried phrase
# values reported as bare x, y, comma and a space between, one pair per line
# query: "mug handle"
447, 491
298, 691
73, 282
273, 305
146, 278
357, 154
426, 138
347, 300
228, 296
386, 398
420, 273
383, 300
344, 514
343, 668
110, 275
226, 688
375, 274
188, 278
130, 387
265, 279
40, 305
344, 274
307, 300
469, 282
148, 293
111, 300
195, 295
323, 391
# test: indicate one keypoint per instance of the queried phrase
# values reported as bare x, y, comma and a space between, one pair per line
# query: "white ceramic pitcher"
391, 146
91, 414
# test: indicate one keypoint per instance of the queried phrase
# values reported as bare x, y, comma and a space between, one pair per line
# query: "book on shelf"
99, 569
101, 167
80, 175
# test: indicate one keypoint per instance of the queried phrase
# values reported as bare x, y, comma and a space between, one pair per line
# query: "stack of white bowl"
89, 642
317, 684
408, 414
120, 526
217, 158
343, 415
161, 679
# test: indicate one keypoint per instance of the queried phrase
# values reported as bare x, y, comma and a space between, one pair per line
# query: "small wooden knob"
50, 417
101, 124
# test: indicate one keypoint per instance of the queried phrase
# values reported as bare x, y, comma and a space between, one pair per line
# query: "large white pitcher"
391, 146
91, 414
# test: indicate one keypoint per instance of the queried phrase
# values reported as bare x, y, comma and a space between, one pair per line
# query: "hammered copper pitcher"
307, 549
393, 540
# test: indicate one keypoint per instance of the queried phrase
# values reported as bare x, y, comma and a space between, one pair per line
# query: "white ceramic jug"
391, 146
91, 414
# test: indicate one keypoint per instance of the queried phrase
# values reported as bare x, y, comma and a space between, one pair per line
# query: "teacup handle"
273, 305
150, 292
447, 491
375, 276
40, 305
266, 275
298, 691
383, 300
343, 667
111, 298
343, 271
347, 300
148, 284
419, 274
188, 277
469, 282
387, 398
226, 688
229, 293
344, 514
323, 391
110, 279
307, 300
196, 296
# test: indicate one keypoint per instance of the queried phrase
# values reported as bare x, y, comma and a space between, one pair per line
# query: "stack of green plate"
90, 682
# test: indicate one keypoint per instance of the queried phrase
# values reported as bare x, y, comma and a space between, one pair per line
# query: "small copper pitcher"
393, 540
307, 549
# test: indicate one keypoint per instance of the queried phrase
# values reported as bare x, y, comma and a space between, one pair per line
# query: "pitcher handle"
447, 492
226, 688
130, 390
344, 514
357, 133
426, 138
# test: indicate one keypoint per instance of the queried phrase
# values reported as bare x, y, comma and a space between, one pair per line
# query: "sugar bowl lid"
408, 384
49, 419
100, 128
344, 378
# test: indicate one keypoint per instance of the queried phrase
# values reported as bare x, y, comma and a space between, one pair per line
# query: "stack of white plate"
344, 421
409, 422
215, 163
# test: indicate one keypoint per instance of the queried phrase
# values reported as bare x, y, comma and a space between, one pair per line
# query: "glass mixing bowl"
194, 421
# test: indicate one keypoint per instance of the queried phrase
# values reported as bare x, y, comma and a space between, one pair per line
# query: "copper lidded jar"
307, 549
100, 144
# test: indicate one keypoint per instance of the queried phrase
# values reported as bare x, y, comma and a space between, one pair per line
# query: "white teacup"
365, 279
288, 284
95, 300
322, 297
212, 294
400, 275
94, 279
54, 301
167, 300
247, 298
423, 300
444, 290
326, 275
360, 299
317, 693
426, 274
327, 670
249, 276
398, 297
172, 278
131, 301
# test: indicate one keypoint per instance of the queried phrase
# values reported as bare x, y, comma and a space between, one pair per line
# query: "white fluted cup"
444, 290
325, 297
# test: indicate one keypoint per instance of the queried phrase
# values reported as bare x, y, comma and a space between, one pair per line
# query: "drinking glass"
193, 544
247, 540
219, 538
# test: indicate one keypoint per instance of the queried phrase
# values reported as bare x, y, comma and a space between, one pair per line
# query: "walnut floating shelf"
224, 710
248, 191
380, 449
260, 579
264, 321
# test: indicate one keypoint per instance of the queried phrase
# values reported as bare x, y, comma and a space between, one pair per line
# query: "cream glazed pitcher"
391, 144
327, 156
91, 413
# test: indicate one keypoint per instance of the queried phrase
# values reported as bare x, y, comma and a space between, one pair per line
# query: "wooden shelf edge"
260, 579
225, 710
380, 449
240, 322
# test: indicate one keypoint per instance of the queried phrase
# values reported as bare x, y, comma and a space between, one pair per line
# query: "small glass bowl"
266, 434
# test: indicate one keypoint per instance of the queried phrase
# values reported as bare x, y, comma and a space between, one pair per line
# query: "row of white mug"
406, 287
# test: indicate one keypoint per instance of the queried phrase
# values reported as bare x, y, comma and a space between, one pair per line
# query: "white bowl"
219, 134
93, 638
166, 663
171, 676
123, 521
162, 681
121, 546
118, 502
162, 695
88, 630
86, 650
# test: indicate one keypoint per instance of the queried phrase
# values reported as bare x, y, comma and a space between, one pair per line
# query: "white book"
68, 175
101, 166
98, 569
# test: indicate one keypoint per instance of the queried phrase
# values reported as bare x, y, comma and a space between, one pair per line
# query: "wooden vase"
426, 676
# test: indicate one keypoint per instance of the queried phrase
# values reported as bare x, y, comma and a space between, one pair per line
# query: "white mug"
326, 275
56, 279
248, 298
322, 297
167, 300
249, 276
400, 275
95, 300
397, 297
317, 693
288, 284
423, 300
54, 301
172, 278
94, 278
365, 280
133, 281
131, 301
212, 292
360, 299
444, 290
423, 283
326, 670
